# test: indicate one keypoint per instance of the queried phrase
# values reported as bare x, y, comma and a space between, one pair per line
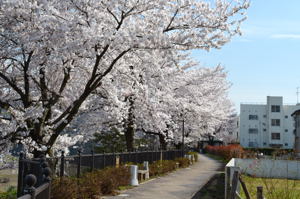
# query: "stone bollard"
190, 159
146, 167
134, 173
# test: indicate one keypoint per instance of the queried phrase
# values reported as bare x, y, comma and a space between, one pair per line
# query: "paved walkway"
181, 184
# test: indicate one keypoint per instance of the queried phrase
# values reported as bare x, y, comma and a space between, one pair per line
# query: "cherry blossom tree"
161, 97
55, 54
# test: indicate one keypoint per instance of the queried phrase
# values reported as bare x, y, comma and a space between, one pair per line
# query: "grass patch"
12, 175
122, 188
11, 193
216, 157
273, 188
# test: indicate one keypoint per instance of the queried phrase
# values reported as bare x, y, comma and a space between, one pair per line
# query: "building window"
265, 143
253, 117
253, 131
286, 144
230, 133
275, 108
275, 122
265, 116
286, 117
265, 129
253, 144
275, 136
286, 130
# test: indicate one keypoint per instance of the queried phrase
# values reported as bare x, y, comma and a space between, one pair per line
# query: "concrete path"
181, 184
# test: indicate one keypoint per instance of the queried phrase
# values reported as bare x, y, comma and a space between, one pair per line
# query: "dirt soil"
213, 189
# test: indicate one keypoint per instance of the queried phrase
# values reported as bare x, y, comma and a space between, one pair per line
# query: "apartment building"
267, 125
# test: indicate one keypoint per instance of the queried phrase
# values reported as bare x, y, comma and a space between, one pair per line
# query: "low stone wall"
267, 168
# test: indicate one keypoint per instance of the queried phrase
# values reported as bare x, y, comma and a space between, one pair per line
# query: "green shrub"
90, 185
269, 151
183, 162
155, 168
11, 193
112, 178
63, 188
195, 154
226, 152
161, 167
168, 166
107, 181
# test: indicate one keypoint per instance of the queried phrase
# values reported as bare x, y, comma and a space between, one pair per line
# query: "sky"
264, 61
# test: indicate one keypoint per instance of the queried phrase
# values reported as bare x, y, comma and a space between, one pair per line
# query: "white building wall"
263, 137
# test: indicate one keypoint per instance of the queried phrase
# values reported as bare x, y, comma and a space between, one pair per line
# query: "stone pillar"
134, 175
146, 167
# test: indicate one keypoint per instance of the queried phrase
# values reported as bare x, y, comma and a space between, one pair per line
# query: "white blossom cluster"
58, 57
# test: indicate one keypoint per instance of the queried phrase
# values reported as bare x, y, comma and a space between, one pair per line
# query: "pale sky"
265, 59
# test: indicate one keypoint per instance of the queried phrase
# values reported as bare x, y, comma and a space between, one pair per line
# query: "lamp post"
182, 136
183, 133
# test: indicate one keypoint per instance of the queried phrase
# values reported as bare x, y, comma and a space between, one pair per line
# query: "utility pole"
297, 95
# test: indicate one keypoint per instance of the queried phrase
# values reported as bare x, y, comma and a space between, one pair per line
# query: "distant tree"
109, 142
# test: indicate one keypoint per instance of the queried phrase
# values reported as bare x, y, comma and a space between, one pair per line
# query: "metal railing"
34, 180
75, 165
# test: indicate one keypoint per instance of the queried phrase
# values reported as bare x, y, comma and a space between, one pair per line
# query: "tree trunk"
129, 128
129, 133
163, 143
211, 140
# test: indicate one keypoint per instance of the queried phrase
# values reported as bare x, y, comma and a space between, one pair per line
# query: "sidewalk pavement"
181, 184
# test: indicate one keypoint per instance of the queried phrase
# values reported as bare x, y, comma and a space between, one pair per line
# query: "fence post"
103, 160
234, 185
151, 153
259, 193
62, 164
93, 160
227, 181
136, 159
30, 181
79, 163
47, 173
20, 175
244, 188
117, 161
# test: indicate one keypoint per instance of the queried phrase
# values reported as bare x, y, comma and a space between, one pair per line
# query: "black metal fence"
75, 165
33, 178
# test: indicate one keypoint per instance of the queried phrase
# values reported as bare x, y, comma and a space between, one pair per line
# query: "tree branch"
13, 85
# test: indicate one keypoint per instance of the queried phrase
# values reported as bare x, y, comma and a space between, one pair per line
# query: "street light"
182, 147
182, 136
